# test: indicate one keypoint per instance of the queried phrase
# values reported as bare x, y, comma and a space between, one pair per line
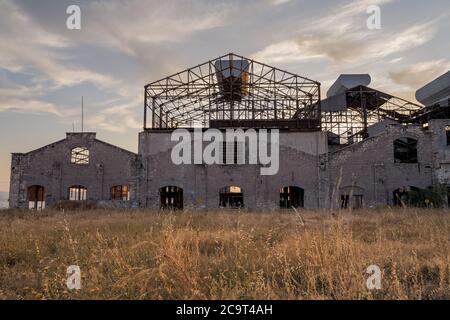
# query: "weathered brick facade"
366, 169
299, 166
51, 168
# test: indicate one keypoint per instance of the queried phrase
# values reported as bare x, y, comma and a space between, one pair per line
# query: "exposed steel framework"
364, 107
233, 91
436, 111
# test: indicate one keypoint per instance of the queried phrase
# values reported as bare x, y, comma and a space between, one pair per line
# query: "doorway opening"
231, 197
36, 197
292, 196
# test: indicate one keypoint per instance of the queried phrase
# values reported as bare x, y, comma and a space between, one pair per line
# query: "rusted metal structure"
346, 117
379, 149
233, 91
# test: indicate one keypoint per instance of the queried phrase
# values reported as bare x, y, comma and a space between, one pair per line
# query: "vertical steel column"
153, 112
145, 107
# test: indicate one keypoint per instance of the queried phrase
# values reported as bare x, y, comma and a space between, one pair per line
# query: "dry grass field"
225, 254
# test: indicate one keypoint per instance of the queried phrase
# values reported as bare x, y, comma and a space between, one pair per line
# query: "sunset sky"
122, 45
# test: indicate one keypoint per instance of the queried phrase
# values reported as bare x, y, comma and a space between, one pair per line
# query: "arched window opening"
77, 193
292, 196
171, 198
231, 197
79, 155
120, 193
401, 195
36, 197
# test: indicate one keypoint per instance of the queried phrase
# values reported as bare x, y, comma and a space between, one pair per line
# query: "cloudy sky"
124, 44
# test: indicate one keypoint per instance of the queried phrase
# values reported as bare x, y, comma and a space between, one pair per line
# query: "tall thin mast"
82, 114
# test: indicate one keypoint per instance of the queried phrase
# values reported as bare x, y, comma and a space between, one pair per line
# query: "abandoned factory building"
358, 147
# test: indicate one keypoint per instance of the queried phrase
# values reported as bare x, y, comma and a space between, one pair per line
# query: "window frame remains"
77, 193
36, 197
405, 150
231, 197
171, 198
354, 201
80, 156
292, 196
120, 192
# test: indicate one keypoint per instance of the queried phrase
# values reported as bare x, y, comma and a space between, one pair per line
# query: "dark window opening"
120, 193
171, 198
292, 197
355, 203
430, 197
79, 155
77, 193
447, 131
405, 150
231, 197
36, 197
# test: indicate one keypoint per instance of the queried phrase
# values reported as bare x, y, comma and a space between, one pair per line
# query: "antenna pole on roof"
82, 114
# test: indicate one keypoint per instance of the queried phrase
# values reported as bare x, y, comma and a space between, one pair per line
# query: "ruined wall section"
299, 166
369, 167
441, 150
51, 167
